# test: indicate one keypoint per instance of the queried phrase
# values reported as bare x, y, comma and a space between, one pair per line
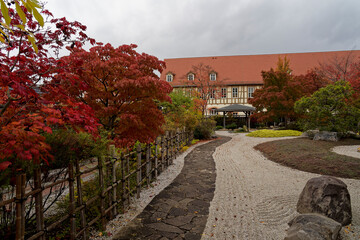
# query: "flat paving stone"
180, 211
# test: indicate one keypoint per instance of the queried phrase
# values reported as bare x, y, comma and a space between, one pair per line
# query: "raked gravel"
255, 198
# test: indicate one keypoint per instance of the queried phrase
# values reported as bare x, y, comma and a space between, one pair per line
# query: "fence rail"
119, 178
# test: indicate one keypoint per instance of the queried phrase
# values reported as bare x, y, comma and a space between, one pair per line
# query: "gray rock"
309, 133
327, 136
327, 196
312, 227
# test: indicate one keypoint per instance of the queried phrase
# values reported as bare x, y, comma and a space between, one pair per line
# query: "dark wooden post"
162, 161
167, 148
123, 183
20, 206
72, 201
148, 165
102, 191
39, 203
114, 192
138, 173
156, 158
80, 200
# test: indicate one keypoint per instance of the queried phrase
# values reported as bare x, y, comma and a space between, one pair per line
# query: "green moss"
274, 133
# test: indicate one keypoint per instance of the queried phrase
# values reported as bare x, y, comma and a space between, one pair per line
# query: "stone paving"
181, 210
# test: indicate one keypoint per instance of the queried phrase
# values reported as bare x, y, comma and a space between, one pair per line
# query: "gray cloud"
184, 28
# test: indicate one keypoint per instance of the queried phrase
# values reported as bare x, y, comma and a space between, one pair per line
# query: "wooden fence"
119, 178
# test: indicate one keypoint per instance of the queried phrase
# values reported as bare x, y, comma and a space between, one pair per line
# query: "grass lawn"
313, 156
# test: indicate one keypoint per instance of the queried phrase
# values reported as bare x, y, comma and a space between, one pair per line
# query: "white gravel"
255, 198
347, 150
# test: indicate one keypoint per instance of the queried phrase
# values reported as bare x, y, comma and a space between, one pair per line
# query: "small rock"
328, 196
312, 227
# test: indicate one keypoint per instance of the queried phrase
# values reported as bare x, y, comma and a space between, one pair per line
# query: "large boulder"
327, 196
313, 227
327, 136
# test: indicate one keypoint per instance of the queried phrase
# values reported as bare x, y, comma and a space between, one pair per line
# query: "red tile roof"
246, 69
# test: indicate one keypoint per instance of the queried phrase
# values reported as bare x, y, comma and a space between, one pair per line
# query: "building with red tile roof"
241, 75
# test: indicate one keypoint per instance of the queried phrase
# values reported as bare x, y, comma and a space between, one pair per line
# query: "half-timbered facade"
239, 76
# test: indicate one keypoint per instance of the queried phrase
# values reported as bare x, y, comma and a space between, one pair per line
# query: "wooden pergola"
237, 108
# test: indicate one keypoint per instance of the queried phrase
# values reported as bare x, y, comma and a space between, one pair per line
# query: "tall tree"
29, 104
121, 86
205, 84
276, 99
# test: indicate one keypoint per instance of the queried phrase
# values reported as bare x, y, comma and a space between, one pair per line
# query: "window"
169, 77
191, 77
223, 93
212, 76
213, 111
212, 94
251, 92
235, 92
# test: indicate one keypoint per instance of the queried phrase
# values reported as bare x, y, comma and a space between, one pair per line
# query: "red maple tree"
121, 86
276, 99
31, 99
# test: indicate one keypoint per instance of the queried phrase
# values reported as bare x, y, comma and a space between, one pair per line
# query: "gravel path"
255, 197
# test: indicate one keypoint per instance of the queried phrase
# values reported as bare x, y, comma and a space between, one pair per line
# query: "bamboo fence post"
128, 171
148, 165
156, 158
167, 148
102, 190
162, 161
123, 183
138, 173
110, 193
113, 169
172, 144
72, 201
177, 142
20, 207
38, 203
80, 199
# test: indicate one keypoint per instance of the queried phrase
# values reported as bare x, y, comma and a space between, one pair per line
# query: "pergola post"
224, 113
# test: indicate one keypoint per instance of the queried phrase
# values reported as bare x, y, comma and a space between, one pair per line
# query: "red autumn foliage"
122, 88
276, 99
31, 104
342, 68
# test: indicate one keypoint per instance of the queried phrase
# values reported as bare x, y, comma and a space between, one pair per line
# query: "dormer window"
212, 76
191, 77
169, 77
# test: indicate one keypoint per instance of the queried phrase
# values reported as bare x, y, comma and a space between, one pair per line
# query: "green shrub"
204, 129
231, 126
218, 127
67, 145
274, 133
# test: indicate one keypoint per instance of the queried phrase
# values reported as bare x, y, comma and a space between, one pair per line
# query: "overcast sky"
196, 28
